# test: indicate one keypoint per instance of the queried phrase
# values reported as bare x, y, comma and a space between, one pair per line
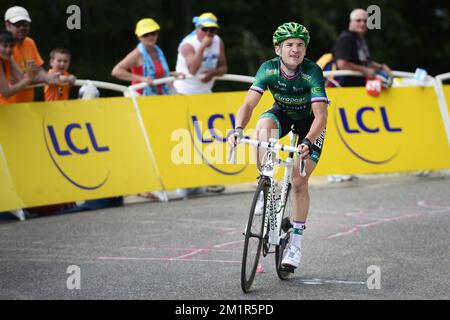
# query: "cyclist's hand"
305, 148
235, 136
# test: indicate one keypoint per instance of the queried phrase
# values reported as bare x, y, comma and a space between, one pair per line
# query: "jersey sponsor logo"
306, 76
72, 147
321, 139
298, 90
291, 100
362, 127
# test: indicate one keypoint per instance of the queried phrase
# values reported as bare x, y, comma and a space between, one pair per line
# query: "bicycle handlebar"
271, 146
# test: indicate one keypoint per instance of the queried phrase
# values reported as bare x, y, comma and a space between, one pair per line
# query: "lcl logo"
71, 144
74, 140
367, 124
218, 125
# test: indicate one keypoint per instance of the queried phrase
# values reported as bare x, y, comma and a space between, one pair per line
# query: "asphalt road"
394, 227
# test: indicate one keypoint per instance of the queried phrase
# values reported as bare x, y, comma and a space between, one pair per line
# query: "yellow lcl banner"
70, 151
77, 150
401, 130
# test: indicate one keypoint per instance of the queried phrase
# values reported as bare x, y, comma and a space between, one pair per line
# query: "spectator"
146, 62
60, 63
26, 54
201, 53
12, 80
351, 51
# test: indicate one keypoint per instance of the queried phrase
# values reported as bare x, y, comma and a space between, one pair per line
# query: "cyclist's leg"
301, 202
271, 124
300, 184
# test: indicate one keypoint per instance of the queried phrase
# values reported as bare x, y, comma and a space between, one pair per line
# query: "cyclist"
297, 85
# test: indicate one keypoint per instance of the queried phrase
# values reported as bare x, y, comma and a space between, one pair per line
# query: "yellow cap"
207, 19
145, 26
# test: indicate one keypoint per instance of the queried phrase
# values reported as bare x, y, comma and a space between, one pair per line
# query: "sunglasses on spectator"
19, 24
359, 20
210, 29
154, 33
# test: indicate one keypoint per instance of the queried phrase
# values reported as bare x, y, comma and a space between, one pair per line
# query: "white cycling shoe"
292, 257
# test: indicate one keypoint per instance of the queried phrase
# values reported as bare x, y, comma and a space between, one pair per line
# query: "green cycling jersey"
293, 94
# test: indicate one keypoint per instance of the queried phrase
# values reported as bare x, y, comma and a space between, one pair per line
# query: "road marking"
322, 282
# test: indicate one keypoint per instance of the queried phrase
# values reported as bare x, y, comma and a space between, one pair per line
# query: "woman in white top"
202, 54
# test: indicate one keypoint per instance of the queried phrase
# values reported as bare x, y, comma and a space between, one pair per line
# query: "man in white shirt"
202, 54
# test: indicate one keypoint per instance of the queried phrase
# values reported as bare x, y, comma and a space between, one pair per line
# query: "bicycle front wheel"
254, 233
285, 232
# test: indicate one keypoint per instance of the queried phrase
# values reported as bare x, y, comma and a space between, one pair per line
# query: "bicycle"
271, 226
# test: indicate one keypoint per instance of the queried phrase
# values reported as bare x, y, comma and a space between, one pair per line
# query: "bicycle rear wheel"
285, 233
254, 233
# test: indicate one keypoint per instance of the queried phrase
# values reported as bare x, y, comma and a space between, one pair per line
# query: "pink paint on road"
354, 229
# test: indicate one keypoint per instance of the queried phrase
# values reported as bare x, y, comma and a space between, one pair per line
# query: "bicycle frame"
274, 208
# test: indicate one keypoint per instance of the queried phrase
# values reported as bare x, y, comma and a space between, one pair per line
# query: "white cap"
16, 14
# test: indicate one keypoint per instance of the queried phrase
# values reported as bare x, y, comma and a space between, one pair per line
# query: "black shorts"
284, 124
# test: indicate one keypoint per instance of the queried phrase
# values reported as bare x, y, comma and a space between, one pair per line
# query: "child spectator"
12, 80
59, 63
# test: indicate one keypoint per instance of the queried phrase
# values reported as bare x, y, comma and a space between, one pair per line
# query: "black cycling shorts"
284, 124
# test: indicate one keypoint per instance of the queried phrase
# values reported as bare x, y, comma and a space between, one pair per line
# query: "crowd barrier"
88, 149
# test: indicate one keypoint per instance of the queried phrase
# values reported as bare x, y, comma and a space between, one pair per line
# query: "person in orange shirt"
12, 80
60, 62
26, 54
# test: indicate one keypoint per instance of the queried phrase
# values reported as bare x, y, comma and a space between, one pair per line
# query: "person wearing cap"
202, 54
26, 54
146, 62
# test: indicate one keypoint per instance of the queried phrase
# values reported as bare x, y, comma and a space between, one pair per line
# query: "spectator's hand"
386, 68
207, 76
53, 78
179, 75
206, 42
67, 79
149, 81
369, 72
30, 75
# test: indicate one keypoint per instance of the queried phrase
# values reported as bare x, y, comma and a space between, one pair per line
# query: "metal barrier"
442, 102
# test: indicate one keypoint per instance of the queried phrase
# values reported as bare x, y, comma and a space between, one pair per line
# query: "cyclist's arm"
244, 113
320, 110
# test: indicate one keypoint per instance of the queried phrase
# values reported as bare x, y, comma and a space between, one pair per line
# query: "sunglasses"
21, 24
359, 20
150, 34
210, 29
